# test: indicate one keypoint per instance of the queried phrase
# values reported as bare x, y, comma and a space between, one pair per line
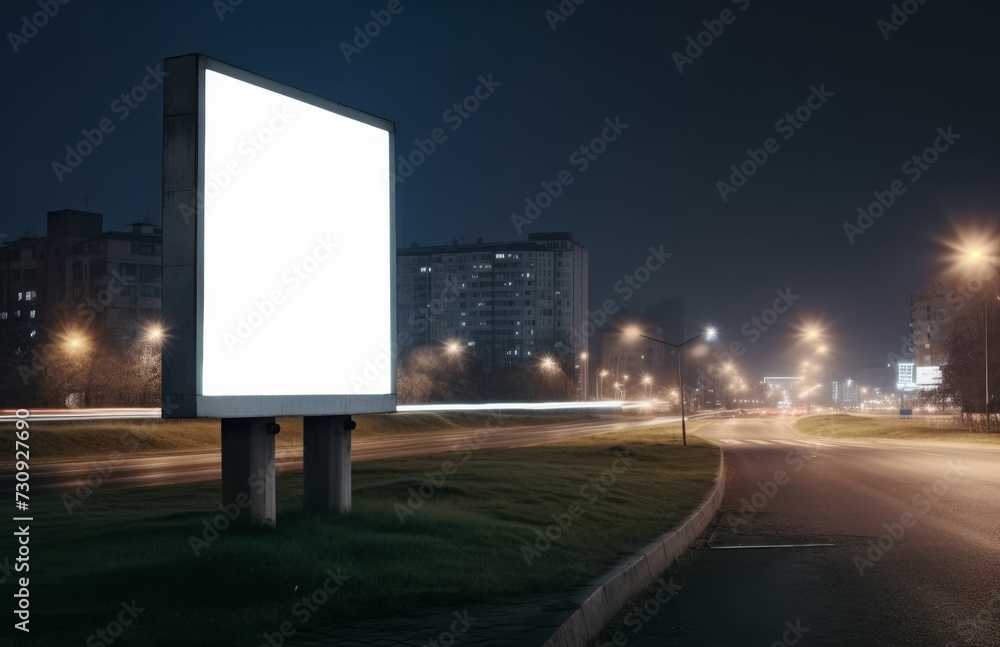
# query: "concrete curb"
629, 578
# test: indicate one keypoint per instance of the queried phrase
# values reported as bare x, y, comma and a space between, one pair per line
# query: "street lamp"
709, 335
584, 381
972, 250
648, 381
603, 374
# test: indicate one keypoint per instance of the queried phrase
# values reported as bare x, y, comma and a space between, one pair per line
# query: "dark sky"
655, 185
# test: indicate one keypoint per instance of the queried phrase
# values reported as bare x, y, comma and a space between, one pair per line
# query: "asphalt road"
855, 542
55, 478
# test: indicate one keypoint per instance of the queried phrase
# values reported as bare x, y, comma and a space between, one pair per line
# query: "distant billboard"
929, 376
279, 249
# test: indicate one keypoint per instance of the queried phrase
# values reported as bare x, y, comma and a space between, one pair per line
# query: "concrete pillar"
326, 463
248, 469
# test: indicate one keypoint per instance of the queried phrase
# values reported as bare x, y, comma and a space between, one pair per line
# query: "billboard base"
326, 463
248, 471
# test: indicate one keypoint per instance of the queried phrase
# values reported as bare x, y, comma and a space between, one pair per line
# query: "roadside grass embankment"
446, 530
853, 426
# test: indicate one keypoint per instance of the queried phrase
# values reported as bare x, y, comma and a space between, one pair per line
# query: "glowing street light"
601, 375
154, 333
709, 334
73, 341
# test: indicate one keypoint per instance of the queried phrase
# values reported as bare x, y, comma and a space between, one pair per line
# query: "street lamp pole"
986, 343
680, 373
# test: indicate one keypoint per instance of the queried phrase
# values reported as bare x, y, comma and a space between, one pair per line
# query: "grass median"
448, 529
849, 426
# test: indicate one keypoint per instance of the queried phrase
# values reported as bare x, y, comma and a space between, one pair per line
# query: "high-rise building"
931, 324
505, 302
845, 393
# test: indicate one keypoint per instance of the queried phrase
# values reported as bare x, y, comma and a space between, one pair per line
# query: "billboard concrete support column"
326, 463
248, 470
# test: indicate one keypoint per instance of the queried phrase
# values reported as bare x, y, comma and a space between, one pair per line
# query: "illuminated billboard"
279, 249
928, 376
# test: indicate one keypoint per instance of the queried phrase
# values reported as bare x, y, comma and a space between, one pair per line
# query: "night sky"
553, 90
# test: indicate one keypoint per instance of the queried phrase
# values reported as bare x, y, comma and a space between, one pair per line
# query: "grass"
463, 545
64, 439
847, 426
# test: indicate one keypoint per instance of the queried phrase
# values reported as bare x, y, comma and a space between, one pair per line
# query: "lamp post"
986, 344
600, 380
584, 386
709, 335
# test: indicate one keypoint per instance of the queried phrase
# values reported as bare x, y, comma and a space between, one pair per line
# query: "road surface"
853, 542
55, 478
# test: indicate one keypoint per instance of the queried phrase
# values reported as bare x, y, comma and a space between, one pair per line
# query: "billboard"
279, 249
928, 376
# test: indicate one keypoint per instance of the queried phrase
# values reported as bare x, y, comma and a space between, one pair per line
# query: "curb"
630, 577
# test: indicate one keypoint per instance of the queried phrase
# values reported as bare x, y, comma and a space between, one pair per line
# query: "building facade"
504, 303
931, 324
80, 278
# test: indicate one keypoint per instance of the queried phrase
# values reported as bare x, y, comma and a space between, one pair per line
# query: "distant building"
781, 390
78, 277
931, 325
504, 302
876, 376
845, 393
627, 361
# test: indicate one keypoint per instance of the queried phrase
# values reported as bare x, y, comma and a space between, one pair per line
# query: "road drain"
769, 546
721, 540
